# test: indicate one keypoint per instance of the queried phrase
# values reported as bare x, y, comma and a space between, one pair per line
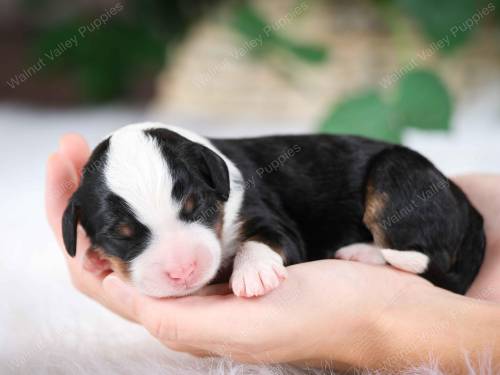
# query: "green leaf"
365, 114
307, 52
255, 27
251, 24
423, 101
440, 19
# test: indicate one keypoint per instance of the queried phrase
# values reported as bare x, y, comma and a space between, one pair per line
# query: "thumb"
117, 290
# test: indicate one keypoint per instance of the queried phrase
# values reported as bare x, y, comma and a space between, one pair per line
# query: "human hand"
325, 309
224, 324
63, 175
484, 192
64, 169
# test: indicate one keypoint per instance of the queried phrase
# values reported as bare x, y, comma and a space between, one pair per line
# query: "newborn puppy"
171, 211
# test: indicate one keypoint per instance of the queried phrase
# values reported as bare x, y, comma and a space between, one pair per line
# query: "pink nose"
181, 273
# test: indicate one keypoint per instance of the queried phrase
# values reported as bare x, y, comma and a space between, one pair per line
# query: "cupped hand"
64, 169
323, 304
325, 310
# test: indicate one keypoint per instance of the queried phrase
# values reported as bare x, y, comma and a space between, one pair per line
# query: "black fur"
427, 212
199, 174
313, 202
193, 162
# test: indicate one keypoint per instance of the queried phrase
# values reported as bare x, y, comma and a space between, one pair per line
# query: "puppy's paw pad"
256, 281
257, 270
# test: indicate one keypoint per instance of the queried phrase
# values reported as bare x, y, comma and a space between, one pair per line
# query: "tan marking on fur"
119, 266
125, 230
374, 206
189, 204
219, 225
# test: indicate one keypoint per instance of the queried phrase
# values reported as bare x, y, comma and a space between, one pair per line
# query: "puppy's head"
152, 203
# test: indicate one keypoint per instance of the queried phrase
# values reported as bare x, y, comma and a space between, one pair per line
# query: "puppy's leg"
410, 261
257, 269
421, 220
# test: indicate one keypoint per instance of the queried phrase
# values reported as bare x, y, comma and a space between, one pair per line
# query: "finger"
75, 148
482, 190
60, 183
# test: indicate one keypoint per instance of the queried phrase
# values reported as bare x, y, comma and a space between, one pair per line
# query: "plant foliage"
420, 101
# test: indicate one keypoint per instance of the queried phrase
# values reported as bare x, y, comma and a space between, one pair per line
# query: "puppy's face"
152, 203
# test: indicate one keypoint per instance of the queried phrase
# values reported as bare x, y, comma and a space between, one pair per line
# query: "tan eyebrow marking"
189, 204
125, 230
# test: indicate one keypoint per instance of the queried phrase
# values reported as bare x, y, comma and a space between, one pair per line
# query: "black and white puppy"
172, 211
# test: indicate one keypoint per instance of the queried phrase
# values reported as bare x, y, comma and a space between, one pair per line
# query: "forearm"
437, 325
482, 190
420, 326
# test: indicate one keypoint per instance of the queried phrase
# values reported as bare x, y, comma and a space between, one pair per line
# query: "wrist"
435, 324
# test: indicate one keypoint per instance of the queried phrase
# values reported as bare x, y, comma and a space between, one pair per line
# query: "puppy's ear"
214, 171
69, 224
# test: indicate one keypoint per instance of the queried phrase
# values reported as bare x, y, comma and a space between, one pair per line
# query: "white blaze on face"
181, 256
137, 172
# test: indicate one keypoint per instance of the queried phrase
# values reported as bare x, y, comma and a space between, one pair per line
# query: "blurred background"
378, 68
424, 73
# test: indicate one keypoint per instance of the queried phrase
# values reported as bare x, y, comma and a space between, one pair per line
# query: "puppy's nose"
181, 273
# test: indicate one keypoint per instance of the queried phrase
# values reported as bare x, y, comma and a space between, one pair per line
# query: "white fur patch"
137, 172
361, 252
257, 270
411, 261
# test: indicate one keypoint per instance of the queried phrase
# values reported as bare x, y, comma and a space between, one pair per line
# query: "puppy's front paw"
257, 270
